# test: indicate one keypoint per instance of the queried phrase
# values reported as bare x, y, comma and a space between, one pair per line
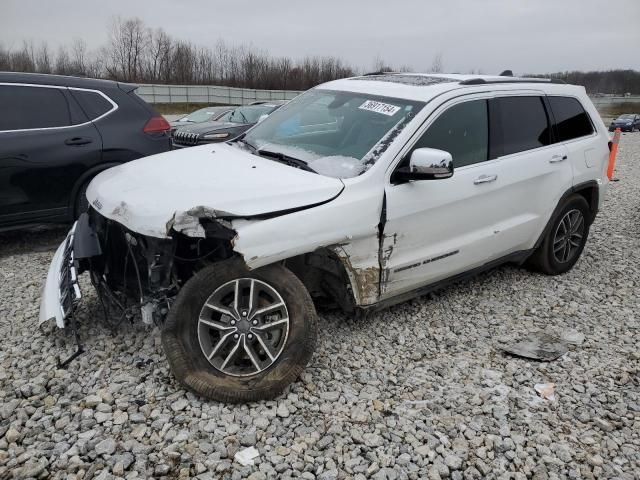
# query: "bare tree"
128, 41
79, 56
43, 59
63, 62
437, 65
159, 55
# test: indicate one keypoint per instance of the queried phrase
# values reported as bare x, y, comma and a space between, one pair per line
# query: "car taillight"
157, 125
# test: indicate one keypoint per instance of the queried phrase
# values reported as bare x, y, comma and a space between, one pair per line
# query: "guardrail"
210, 94
605, 100
153, 93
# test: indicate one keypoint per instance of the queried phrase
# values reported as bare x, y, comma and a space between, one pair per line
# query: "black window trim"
594, 130
114, 106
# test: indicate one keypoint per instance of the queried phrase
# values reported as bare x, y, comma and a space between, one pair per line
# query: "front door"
438, 228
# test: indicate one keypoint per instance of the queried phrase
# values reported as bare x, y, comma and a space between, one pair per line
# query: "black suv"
57, 133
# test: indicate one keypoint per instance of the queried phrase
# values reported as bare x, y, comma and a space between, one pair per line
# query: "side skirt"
516, 257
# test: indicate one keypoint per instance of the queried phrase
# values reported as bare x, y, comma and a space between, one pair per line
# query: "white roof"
424, 86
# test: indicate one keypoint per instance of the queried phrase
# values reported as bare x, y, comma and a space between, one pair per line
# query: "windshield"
247, 114
626, 116
202, 115
338, 134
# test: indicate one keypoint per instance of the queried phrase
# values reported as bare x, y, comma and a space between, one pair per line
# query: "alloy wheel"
243, 327
568, 236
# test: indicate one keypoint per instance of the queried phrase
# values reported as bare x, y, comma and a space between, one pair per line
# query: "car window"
571, 119
463, 131
93, 104
33, 107
524, 124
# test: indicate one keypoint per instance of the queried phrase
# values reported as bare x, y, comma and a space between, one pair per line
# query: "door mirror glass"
426, 164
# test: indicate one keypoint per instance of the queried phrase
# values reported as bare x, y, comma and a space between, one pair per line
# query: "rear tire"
240, 355
563, 243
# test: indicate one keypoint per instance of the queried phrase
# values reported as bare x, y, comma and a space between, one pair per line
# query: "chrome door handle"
485, 179
558, 158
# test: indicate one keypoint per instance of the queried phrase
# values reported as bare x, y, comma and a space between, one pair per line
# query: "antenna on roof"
507, 73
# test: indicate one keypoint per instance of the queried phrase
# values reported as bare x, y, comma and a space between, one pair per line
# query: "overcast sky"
534, 36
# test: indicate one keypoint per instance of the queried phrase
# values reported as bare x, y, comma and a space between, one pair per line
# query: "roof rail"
482, 81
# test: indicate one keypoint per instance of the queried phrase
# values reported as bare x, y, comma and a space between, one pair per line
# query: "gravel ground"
417, 391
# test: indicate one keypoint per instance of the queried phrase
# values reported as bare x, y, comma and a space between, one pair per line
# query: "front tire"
563, 243
235, 335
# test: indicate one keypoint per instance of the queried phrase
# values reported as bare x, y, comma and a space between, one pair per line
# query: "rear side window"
463, 131
93, 104
524, 124
571, 119
33, 107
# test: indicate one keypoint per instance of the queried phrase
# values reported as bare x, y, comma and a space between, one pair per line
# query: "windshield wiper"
243, 116
251, 146
286, 159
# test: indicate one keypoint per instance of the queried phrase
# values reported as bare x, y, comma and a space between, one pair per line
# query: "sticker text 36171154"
379, 107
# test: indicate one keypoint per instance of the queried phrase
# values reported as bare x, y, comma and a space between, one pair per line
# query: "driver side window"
463, 131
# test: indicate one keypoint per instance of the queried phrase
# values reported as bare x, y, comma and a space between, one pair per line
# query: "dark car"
206, 114
57, 133
627, 122
230, 125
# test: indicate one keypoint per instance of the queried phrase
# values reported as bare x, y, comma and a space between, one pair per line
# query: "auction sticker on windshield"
379, 107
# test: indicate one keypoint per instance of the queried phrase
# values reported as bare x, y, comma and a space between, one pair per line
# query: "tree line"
139, 54
617, 82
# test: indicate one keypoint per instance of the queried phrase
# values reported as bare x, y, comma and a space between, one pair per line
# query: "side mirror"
426, 164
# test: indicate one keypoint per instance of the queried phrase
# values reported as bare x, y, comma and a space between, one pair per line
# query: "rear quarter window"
93, 104
572, 121
26, 107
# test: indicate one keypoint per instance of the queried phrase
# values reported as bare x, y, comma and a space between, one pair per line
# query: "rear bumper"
61, 290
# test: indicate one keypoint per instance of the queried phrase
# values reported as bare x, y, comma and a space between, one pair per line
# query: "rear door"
46, 144
534, 171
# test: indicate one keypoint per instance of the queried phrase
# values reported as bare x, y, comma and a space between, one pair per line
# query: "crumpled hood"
172, 190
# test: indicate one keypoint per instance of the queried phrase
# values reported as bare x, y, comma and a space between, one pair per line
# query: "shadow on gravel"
31, 240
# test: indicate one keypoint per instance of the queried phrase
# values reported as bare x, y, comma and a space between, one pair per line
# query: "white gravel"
416, 391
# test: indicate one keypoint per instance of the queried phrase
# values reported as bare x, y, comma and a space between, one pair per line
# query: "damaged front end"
132, 274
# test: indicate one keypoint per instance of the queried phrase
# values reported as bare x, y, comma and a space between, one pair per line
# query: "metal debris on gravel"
538, 346
416, 391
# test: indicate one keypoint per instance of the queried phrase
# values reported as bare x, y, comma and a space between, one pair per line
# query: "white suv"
360, 193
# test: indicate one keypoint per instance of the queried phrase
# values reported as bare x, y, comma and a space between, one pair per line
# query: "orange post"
613, 153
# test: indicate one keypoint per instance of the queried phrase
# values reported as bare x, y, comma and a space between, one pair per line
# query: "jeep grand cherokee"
361, 193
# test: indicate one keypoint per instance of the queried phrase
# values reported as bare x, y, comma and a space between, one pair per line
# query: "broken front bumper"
61, 290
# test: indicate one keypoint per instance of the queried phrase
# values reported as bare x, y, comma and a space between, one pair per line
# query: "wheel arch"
589, 190
87, 175
326, 276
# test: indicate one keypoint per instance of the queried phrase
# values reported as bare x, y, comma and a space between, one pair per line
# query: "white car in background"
360, 193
